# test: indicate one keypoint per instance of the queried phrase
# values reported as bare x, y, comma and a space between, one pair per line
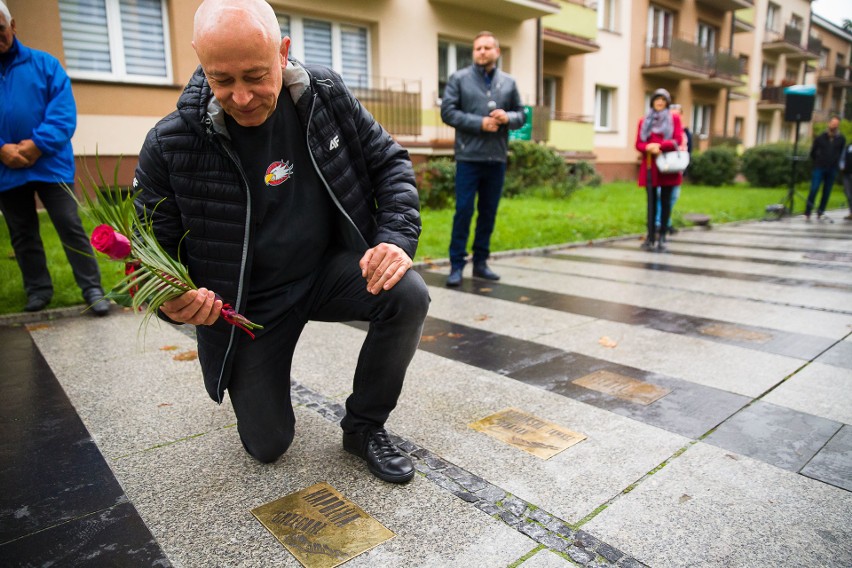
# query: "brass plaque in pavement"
539, 437
622, 386
321, 527
734, 332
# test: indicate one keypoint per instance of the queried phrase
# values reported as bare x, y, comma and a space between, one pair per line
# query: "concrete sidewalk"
745, 461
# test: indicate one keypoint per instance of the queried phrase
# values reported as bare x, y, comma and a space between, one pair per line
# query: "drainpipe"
539, 63
728, 89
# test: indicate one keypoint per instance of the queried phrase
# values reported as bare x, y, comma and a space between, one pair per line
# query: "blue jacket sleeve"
60, 115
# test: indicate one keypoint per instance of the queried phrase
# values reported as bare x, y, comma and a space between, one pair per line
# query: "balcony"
811, 53
681, 59
790, 42
841, 76
744, 20
572, 134
396, 106
727, 5
771, 98
572, 31
725, 71
519, 10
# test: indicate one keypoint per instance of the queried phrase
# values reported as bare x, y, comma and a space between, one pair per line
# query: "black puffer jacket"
192, 184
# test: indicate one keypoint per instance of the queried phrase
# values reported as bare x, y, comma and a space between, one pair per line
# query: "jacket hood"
200, 109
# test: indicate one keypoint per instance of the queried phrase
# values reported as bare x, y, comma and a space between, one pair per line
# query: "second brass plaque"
321, 527
622, 386
538, 437
736, 333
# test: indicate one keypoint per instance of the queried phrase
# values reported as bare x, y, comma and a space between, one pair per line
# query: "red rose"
106, 240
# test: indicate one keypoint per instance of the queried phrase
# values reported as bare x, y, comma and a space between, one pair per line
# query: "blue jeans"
485, 180
675, 195
820, 176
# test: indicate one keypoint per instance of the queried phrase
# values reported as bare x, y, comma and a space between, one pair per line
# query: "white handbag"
672, 162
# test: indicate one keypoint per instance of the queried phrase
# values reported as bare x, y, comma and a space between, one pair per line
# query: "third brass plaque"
321, 527
622, 386
539, 437
736, 333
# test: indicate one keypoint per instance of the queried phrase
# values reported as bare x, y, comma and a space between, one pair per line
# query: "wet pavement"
713, 385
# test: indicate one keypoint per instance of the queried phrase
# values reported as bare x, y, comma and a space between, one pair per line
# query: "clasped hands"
495, 118
21, 155
381, 266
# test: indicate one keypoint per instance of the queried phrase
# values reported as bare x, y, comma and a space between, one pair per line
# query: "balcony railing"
396, 106
792, 35
676, 52
841, 72
814, 45
772, 95
726, 64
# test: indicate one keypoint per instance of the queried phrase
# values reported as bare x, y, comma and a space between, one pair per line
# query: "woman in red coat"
659, 131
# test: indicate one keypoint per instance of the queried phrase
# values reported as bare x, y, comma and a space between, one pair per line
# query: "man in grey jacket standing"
482, 103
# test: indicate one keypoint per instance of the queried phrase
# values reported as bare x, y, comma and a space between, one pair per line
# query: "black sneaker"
455, 278
383, 458
36, 304
481, 270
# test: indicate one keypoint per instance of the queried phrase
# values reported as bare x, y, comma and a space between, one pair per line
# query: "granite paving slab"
833, 463
714, 508
818, 389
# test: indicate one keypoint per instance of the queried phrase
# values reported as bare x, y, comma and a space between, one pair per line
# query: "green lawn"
613, 209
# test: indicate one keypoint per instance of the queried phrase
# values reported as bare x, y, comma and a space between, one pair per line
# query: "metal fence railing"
396, 105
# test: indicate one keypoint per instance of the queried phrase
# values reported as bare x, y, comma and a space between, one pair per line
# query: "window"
762, 133
660, 26
791, 76
787, 132
116, 40
823, 58
604, 108
738, 127
607, 15
707, 37
341, 46
767, 75
701, 116
773, 15
744, 64
796, 22
551, 89
452, 56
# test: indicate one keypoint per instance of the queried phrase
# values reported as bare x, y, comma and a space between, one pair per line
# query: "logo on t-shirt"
278, 172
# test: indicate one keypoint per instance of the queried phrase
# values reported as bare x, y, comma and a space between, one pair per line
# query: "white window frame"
608, 15
658, 18
767, 73
702, 120
773, 16
609, 93
707, 36
453, 47
116, 51
297, 37
551, 88
762, 134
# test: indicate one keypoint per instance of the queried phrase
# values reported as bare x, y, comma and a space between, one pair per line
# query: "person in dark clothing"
296, 205
846, 176
482, 103
825, 153
37, 119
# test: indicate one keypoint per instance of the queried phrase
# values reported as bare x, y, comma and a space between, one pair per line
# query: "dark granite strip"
774, 434
50, 468
838, 356
797, 345
660, 267
833, 463
787, 233
689, 409
739, 245
527, 518
756, 260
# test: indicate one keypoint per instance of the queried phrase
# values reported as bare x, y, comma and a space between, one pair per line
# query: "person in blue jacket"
37, 119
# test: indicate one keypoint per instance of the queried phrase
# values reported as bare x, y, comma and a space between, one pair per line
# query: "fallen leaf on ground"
524, 299
37, 326
186, 356
486, 289
169, 348
684, 498
162, 404
482, 317
428, 338
607, 342
455, 335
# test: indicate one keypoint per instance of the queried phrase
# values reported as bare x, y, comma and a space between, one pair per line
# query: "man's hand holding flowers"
197, 307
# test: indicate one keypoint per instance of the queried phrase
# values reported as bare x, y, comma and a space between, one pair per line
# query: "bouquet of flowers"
151, 276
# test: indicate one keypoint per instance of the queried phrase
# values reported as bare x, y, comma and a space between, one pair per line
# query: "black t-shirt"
291, 211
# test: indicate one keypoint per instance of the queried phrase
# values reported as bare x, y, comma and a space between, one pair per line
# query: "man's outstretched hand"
198, 307
383, 266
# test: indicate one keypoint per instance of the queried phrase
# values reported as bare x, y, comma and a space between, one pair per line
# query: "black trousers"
19, 210
665, 210
260, 381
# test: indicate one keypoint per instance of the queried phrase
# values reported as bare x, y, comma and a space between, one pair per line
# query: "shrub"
437, 183
769, 165
715, 166
538, 169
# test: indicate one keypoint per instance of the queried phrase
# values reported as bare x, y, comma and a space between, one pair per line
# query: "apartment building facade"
587, 67
833, 71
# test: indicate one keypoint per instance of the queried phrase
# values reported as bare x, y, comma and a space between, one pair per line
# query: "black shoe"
647, 245
383, 458
662, 246
36, 304
97, 303
455, 278
673, 230
481, 270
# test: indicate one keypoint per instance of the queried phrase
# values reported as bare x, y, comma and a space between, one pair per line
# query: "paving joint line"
528, 519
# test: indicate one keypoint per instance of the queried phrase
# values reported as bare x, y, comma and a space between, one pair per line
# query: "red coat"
658, 179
